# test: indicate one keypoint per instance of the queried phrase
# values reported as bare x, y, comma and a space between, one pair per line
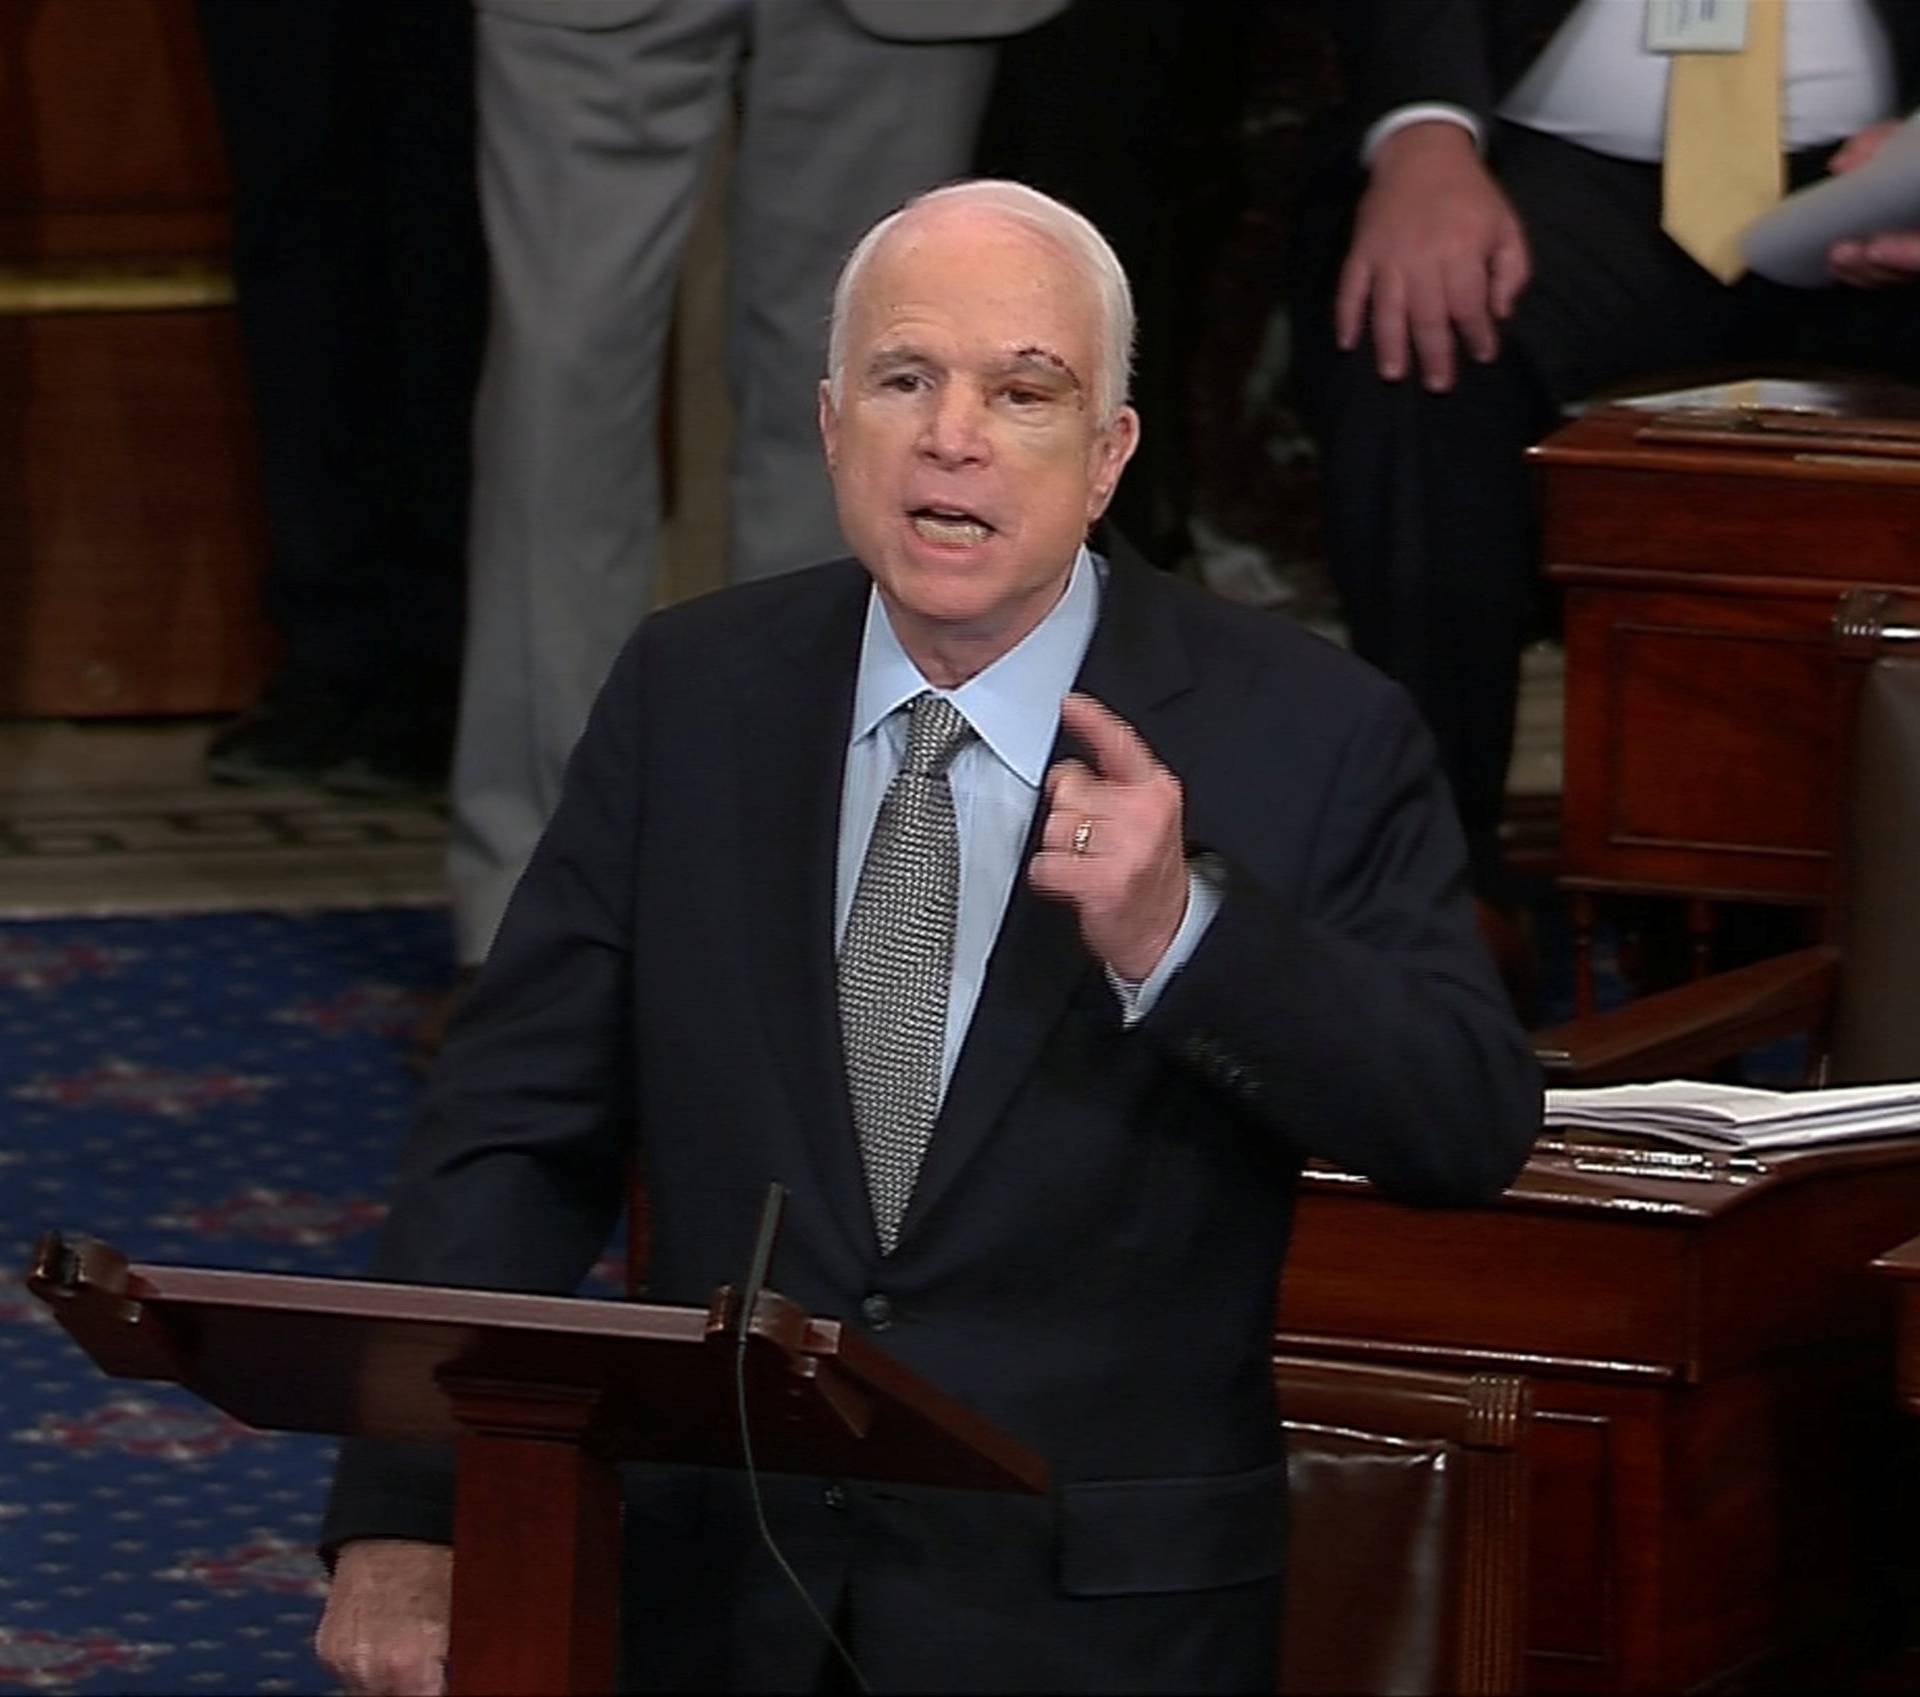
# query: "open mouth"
949, 527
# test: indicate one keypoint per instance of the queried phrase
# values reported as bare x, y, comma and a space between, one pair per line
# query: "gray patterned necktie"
896, 963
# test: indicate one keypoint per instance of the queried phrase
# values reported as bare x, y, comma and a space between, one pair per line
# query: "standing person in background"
598, 118
361, 284
1498, 235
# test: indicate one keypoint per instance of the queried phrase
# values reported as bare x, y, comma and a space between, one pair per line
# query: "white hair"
1058, 223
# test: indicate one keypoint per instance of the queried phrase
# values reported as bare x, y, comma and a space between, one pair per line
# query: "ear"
829, 424
1112, 448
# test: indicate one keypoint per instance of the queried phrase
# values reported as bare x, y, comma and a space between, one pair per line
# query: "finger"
1470, 308
1847, 261
1432, 336
1350, 301
1059, 874
1070, 783
1853, 264
1390, 326
1508, 272
392, 1672
1062, 830
1861, 146
1895, 254
1847, 155
1119, 754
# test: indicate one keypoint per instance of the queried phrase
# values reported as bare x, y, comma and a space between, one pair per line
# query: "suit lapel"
1137, 664
794, 714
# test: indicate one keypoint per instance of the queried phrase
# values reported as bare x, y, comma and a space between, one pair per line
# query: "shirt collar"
1014, 704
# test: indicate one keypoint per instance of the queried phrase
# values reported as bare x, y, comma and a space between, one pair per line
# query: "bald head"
988, 201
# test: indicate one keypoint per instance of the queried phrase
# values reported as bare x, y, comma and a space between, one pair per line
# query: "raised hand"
1111, 846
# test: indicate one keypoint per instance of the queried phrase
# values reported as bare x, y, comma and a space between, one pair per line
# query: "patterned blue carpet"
223, 1090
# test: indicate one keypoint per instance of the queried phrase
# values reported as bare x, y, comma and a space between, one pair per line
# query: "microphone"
770, 1211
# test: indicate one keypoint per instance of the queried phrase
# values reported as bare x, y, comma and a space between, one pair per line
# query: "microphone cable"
749, 1297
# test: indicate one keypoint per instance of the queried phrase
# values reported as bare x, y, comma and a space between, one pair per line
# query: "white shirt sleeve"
1421, 112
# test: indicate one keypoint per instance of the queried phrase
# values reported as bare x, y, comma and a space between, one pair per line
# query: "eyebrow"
1032, 359
1037, 358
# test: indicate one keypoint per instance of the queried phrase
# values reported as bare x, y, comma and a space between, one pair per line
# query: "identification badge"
1696, 26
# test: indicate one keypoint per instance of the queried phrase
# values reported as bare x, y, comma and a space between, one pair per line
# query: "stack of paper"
1731, 1116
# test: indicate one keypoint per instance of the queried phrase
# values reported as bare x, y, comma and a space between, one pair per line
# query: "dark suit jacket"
1091, 1251
1470, 53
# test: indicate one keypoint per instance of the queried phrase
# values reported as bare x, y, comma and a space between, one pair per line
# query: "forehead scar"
1036, 355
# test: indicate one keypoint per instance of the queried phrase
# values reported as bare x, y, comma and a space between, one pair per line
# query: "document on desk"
1737, 1117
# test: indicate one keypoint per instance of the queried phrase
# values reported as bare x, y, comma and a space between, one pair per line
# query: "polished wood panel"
1706, 709
108, 142
131, 537
1708, 1355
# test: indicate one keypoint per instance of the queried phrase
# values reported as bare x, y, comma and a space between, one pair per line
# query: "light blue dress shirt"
1014, 706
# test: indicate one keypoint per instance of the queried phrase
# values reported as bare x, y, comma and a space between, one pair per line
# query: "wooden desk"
1705, 711
1708, 1357
1902, 1264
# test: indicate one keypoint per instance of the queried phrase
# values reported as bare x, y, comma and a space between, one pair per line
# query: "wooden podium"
541, 1396
1709, 1355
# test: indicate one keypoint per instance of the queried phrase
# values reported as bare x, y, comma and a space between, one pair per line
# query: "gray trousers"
596, 124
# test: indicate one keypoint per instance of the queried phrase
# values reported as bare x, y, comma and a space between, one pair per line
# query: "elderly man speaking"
1031, 916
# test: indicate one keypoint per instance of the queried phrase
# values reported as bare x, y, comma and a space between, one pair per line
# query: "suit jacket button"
877, 1311
835, 1496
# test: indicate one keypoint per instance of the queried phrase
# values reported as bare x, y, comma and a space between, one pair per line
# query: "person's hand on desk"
385, 1625
1437, 249
1111, 846
1887, 256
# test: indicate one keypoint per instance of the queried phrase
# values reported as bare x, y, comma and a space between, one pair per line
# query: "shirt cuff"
1420, 112
1206, 879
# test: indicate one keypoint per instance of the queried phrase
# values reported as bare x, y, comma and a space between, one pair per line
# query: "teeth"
936, 527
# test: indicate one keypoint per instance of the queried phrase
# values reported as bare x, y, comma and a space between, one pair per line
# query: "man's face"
966, 453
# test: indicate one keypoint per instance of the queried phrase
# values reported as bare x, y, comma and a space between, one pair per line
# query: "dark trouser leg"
360, 276
303, 270
1432, 546
421, 170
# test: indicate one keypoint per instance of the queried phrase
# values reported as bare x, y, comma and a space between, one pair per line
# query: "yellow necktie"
1722, 166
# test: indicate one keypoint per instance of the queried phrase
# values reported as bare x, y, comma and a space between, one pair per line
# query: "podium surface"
1709, 1355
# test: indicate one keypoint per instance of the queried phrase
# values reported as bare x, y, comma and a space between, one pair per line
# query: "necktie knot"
937, 732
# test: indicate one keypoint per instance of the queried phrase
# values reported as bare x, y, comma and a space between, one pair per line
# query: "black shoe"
291, 737
393, 749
